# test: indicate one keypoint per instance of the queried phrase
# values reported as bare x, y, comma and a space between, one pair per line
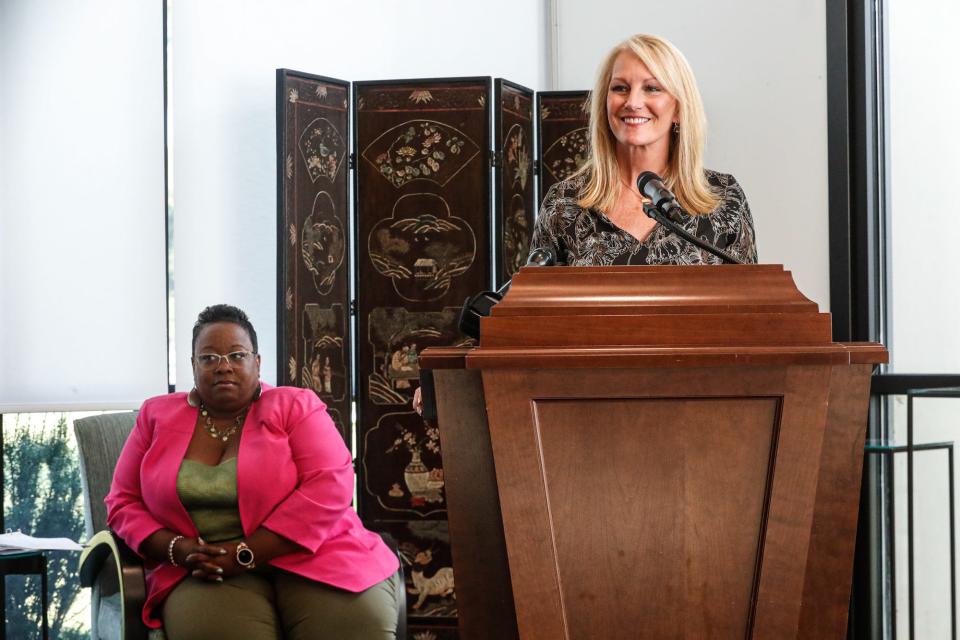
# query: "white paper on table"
16, 541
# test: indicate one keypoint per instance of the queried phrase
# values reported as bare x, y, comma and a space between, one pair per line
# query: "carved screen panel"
423, 632
423, 182
562, 134
513, 142
313, 341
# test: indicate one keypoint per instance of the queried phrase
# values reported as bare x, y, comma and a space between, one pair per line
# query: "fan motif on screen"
421, 247
322, 149
323, 244
420, 150
567, 154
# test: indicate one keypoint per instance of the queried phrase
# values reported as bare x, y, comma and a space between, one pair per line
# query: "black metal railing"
888, 454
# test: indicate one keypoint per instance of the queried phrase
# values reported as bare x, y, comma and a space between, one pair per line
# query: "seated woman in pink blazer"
238, 497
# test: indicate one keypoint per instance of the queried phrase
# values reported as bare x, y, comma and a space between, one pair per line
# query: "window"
892, 167
42, 496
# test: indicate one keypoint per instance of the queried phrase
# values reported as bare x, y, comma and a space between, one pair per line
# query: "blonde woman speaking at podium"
646, 114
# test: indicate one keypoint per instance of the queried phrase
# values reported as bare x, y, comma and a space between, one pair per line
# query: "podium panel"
666, 488
644, 503
484, 593
696, 482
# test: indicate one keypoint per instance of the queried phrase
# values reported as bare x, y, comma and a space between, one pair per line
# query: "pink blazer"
294, 477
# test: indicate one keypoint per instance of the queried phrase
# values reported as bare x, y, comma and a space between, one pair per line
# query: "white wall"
223, 101
767, 113
761, 67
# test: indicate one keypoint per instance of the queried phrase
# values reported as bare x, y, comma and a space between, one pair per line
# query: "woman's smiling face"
640, 112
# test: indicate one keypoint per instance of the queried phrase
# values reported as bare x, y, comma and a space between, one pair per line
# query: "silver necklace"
211, 427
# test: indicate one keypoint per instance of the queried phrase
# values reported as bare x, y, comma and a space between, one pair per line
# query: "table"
20, 564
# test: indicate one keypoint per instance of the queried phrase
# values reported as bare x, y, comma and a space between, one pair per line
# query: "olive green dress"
265, 603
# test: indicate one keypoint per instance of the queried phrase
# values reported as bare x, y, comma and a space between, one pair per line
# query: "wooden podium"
653, 452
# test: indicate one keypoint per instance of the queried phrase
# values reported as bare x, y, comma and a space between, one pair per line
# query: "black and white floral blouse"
586, 237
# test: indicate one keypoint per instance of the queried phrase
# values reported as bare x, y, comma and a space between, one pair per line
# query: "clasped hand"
209, 562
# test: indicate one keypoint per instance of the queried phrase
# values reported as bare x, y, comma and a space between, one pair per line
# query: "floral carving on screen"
408, 477
322, 149
514, 176
567, 154
517, 153
432, 633
422, 483
516, 235
421, 97
420, 150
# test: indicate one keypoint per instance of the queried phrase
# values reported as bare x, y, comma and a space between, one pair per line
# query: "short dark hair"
223, 313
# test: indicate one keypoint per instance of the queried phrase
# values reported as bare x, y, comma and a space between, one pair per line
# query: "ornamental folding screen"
314, 296
563, 135
443, 180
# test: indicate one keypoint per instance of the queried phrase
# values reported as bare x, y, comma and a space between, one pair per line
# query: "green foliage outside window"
43, 497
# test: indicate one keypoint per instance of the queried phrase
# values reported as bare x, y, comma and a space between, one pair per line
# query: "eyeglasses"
211, 361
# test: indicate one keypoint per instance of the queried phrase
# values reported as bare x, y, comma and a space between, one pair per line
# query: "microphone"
541, 257
665, 210
479, 306
651, 185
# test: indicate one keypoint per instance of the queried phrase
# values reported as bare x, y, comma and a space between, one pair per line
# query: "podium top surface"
653, 290
656, 315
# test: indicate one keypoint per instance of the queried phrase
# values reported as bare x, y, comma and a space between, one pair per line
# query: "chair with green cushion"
107, 565
112, 570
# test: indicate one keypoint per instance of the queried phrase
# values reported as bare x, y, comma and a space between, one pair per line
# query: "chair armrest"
107, 552
104, 546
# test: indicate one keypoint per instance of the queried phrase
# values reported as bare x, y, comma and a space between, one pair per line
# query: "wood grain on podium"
675, 453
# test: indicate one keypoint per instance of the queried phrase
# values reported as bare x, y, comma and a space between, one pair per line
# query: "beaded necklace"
211, 427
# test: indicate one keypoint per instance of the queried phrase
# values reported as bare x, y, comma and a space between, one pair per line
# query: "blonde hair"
684, 174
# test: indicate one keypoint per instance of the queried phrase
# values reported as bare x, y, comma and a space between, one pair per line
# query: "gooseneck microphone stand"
663, 207
479, 306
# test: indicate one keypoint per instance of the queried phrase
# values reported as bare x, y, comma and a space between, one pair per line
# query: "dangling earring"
257, 392
193, 398
676, 127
